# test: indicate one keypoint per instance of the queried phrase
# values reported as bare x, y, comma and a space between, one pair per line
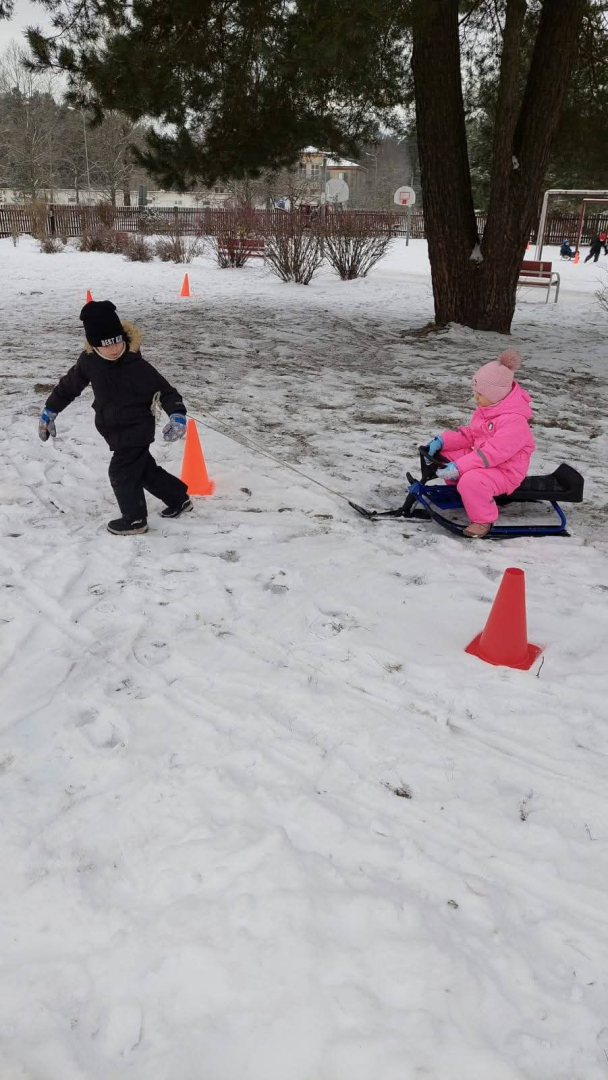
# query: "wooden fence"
73, 221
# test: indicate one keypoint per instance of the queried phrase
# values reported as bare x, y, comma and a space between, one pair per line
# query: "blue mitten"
46, 424
176, 428
448, 472
435, 445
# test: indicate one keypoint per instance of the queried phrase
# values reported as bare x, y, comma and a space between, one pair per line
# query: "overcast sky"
26, 14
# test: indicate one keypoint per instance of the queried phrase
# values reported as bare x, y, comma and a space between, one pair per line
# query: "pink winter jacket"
498, 436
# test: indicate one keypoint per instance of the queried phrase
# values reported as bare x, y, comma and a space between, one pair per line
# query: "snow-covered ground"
262, 817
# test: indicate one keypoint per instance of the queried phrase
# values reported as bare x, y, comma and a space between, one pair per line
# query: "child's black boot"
124, 527
175, 511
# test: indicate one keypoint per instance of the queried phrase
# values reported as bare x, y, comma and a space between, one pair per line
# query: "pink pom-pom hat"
495, 380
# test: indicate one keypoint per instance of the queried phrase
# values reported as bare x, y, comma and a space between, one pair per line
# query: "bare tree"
110, 150
384, 166
293, 186
270, 188
75, 163
247, 192
30, 127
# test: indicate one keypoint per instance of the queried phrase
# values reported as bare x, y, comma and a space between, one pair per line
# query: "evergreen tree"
241, 86
578, 155
238, 86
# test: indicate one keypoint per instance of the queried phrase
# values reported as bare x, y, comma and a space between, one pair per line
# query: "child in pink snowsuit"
491, 456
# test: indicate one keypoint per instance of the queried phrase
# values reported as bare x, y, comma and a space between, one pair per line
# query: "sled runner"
428, 502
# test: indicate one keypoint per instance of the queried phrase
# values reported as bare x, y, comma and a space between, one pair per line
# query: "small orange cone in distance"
194, 470
504, 639
577, 256
89, 297
185, 286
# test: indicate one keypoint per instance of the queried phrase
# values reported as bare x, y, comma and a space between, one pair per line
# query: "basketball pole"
405, 196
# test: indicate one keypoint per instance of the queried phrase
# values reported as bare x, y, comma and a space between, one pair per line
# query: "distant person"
595, 248
126, 391
566, 251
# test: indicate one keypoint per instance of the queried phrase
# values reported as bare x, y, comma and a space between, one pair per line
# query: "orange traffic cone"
527, 245
185, 286
577, 256
89, 297
194, 470
504, 639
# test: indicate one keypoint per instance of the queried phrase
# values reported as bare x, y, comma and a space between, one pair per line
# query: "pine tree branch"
552, 60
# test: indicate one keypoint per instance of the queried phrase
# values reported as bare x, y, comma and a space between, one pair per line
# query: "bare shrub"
14, 236
102, 238
239, 239
231, 249
138, 249
294, 250
167, 250
177, 248
602, 293
352, 246
193, 247
51, 245
106, 215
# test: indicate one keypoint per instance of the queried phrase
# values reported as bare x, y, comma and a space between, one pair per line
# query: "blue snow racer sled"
429, 502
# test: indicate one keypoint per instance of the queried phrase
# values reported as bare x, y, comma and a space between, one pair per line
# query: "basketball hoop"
405, 196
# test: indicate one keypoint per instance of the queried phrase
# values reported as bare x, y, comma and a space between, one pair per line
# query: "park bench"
538, 275
254, 245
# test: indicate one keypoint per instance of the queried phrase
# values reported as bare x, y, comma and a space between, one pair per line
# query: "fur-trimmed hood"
133, 333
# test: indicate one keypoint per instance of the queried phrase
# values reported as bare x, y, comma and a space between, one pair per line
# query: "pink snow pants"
477, 489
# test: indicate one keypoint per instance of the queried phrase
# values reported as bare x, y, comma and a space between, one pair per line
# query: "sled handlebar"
429, 463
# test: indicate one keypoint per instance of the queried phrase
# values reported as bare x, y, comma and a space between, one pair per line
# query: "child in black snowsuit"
595, 248
126, 392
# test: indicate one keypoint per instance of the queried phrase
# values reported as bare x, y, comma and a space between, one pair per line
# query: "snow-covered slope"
262, 818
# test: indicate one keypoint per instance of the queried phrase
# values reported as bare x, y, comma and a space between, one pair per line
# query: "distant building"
84, 197
314, 167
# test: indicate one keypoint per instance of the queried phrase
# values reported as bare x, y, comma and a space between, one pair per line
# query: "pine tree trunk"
475, 283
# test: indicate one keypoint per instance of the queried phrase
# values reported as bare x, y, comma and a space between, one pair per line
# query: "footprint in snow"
275, 586
150, 652
99, 730
122, 1029
88, 716
230, 556
5, 763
